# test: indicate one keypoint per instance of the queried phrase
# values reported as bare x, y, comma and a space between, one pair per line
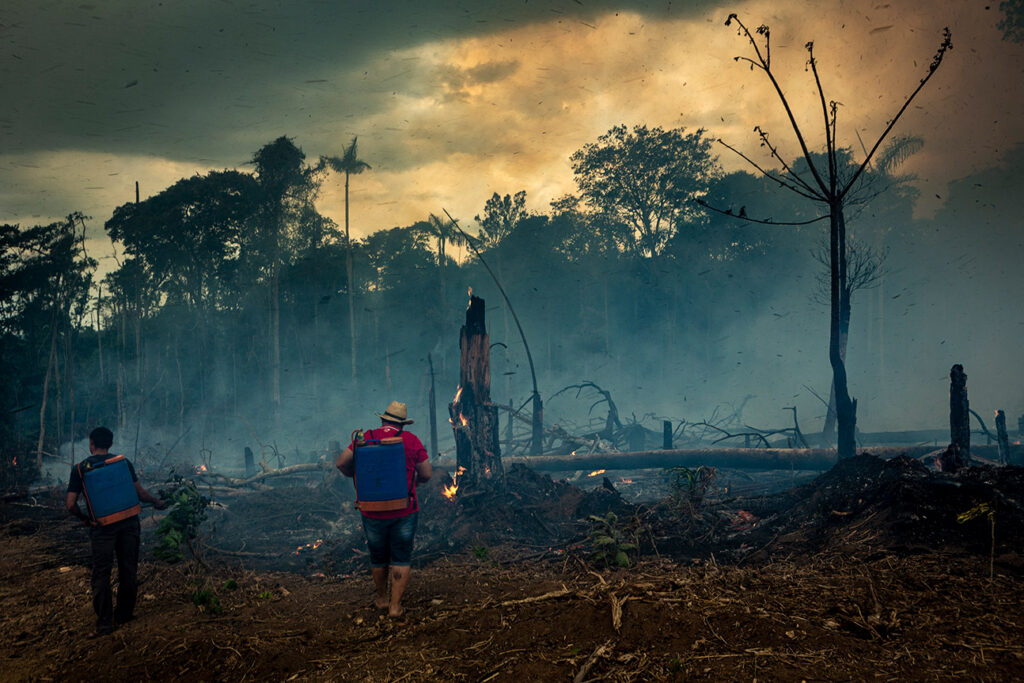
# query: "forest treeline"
235, 302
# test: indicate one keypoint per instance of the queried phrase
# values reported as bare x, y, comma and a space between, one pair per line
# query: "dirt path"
928, 616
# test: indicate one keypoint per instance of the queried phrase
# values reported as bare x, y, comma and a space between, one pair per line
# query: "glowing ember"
595, 473
199, 469
470, 298
450, 491
626, 481
310, 546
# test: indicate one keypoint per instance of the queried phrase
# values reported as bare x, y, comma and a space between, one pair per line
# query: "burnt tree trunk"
433, 411
474, 418
846, 407
250, 463
1002, 439
959, 451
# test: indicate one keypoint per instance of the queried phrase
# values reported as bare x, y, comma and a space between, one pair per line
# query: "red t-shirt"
414, 453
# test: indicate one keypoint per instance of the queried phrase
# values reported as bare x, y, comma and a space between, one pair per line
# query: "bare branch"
947, 44
728, 212
771, 176
763, 134
785, 104
830, 149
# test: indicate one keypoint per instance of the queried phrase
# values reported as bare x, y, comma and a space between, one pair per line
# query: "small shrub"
206, 600
609, 550
181, 525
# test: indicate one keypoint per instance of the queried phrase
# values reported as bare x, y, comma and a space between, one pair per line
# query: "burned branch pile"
864, 504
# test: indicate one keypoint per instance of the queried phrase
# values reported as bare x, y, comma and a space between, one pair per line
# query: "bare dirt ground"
856, 576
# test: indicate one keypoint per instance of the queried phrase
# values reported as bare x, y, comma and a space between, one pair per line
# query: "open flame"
595, 473
199, 469
310, 546
463, 420
450, 491
458, 394
626, 481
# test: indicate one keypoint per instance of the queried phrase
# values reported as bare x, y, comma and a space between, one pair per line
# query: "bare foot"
396, 612
381, 603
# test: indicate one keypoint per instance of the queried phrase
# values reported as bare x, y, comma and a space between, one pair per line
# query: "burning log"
474, 418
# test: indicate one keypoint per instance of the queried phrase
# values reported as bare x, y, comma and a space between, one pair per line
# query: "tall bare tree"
829, 186
865, 264
350, 164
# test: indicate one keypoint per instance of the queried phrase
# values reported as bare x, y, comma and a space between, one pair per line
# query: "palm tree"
350, 164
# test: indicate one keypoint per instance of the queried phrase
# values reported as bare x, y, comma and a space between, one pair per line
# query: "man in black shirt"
120, 537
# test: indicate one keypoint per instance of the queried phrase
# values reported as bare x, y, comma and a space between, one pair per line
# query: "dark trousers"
120, 538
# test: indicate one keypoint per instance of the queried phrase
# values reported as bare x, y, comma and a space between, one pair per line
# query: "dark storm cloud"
185, 80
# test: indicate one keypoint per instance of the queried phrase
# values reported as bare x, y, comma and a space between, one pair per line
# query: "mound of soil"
896, 504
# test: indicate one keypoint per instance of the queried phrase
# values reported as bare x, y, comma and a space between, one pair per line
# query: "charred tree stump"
666, 435
250, 464
1002, 439
432, 411
474, 418
509, 434
959, 452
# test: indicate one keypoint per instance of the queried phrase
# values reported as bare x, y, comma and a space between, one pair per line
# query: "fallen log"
283, 471
732, 458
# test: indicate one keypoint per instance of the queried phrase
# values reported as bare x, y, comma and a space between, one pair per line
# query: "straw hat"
395, 413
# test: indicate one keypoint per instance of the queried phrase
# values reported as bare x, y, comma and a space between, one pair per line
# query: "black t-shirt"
75, 483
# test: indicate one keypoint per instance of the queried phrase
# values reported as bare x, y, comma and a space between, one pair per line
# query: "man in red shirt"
390, 534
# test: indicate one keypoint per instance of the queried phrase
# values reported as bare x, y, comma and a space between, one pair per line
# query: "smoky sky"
184, 80
453, 101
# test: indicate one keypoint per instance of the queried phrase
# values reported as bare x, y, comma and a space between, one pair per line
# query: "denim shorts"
390, 540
